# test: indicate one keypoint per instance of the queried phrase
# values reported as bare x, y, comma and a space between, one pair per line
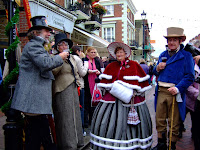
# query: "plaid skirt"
109, 129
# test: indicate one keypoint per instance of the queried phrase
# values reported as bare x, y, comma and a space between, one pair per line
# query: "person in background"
67, 116
121, 119
89, 82
1, 79
100, 60
151, 66
144, 66
105, 61
111, 59
82, 71
33, 93
196, 114
191, 96
175, 72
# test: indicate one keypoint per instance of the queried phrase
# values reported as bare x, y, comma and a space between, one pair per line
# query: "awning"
97, 42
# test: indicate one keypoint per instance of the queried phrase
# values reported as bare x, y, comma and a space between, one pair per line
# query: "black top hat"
62, 37
39, 22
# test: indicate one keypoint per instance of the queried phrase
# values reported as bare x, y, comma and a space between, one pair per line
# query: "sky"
169, 13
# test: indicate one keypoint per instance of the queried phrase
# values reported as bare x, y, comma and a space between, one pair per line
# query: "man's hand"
173, 90
64, 55
196, 58
161, 66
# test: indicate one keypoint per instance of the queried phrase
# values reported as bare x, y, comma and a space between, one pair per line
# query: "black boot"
161, 143
173, 145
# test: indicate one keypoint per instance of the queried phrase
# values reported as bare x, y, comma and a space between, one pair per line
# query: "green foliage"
13, 21
12, 47
12, 75
6, 107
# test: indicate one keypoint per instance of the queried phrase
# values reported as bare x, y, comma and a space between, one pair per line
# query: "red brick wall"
117, 10
60, 2
118, 31
23, 26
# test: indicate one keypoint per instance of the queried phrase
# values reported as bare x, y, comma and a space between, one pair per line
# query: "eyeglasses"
63, 43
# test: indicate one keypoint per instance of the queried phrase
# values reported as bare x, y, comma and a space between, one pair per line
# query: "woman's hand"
94, 71
98, 72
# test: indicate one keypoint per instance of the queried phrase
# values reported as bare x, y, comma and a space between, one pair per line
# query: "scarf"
91, 76
171, 53
123, 64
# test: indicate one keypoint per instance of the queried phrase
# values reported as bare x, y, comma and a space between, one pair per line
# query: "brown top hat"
175, 32
38, 23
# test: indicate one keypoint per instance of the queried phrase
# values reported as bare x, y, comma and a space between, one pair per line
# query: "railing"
133, 43
96, 18
82, 7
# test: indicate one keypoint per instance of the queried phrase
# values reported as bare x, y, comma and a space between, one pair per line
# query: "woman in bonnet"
121, 120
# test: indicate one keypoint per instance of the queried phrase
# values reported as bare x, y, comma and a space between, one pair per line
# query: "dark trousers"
196, 125
81, 99
37, 133
88, 110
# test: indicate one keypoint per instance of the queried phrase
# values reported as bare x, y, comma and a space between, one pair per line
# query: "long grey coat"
33, 92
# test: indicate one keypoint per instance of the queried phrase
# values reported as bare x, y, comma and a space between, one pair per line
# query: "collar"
171, 53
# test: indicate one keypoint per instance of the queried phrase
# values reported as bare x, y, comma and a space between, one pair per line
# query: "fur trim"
145, 88
136, 87
108, 77
140, 79
104, 85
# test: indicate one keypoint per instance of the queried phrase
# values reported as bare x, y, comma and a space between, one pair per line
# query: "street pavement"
185, 143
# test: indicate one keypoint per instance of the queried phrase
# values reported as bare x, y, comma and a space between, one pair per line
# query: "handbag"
121, 92
96, 96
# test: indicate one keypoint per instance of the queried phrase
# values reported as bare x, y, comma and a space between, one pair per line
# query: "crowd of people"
62, 84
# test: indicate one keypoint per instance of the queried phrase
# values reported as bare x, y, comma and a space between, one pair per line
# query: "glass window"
110, 10
109, 34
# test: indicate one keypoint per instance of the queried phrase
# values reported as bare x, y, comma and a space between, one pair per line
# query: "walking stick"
172, 119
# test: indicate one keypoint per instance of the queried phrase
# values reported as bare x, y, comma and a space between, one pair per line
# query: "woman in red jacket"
122, 120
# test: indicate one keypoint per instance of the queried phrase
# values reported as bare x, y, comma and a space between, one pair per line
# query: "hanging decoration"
97, 8
13, 21
12, 47
12, 76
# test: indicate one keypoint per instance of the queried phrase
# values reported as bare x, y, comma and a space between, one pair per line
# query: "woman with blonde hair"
89, 82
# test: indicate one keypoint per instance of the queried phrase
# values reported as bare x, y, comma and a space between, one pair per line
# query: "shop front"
86, 39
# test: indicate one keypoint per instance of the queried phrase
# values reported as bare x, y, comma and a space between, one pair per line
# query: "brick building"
118, 23
73, 17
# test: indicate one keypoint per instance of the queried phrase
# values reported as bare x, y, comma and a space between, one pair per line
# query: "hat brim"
70, 43
112, 46
178, 36
39, 28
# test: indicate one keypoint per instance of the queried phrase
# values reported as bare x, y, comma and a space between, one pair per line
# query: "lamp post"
143, 15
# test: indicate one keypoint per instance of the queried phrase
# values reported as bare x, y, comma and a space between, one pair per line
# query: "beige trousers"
164, 113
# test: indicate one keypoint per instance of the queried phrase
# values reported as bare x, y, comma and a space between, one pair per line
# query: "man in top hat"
175, 72
33, 92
